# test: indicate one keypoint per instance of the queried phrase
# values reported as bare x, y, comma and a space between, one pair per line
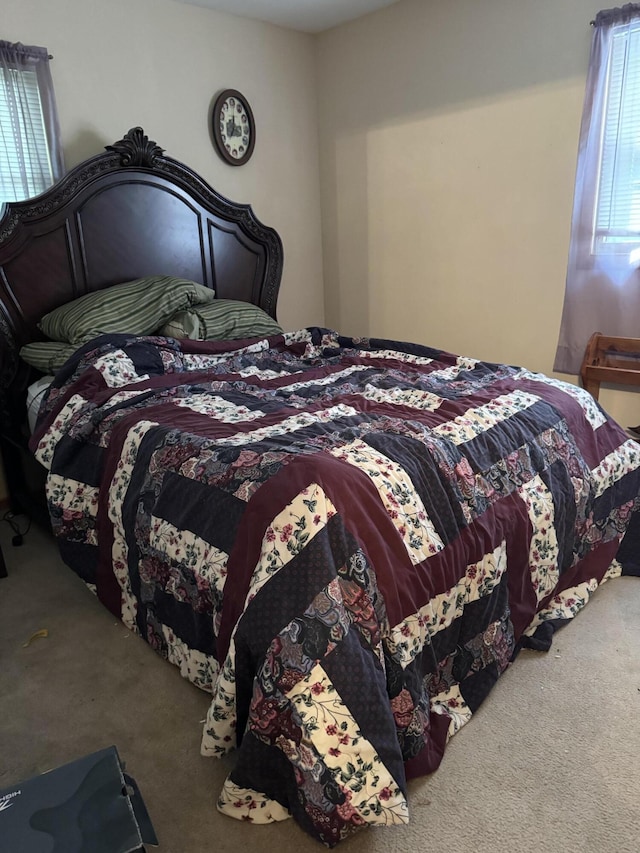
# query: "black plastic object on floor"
87, 806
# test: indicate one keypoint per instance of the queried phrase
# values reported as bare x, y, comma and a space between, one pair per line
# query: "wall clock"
234, 129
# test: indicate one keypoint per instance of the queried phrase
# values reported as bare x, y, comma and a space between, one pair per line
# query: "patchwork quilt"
345, 541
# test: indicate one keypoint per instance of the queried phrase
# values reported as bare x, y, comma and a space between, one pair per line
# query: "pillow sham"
136, 307
47, 356
228, 320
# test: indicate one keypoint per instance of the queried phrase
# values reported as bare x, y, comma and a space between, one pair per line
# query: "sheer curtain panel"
30, 150
603, 281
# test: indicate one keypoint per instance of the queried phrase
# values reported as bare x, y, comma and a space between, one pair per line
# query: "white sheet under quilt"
35, 393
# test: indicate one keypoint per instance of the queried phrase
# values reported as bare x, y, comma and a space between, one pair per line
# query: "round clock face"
233, 127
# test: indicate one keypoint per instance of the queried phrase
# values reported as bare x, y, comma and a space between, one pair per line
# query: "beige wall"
159, 64
448, 149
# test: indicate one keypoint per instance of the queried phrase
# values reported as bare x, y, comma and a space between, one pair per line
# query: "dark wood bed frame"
123, 214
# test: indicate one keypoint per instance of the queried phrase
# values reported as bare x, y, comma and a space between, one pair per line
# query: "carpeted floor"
551, 762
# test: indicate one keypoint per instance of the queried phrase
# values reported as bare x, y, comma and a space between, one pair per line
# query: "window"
24, 139
617, 210
602, 292
30, 156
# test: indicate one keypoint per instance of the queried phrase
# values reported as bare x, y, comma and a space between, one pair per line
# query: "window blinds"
618, 200
24, 150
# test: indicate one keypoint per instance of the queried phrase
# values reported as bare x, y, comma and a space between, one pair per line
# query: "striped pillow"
47, 356
137, 307
228, 320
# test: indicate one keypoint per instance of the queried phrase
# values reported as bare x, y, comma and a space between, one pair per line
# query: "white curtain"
603, 282
30, 150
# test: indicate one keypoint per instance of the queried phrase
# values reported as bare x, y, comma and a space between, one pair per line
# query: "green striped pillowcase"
228, 320
47, 356
137, 307
225, 320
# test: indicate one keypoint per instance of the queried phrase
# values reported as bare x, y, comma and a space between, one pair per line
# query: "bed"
345, 541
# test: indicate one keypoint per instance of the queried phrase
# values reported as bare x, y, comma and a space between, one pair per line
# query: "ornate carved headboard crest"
136, 149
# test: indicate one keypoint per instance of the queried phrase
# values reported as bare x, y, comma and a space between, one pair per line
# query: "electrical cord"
18, 534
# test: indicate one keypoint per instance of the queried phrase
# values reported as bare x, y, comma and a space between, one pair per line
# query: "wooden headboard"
123, 214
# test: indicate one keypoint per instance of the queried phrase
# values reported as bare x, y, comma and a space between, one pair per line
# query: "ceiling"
309, 16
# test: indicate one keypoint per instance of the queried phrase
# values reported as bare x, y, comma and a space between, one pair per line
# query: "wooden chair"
610, 359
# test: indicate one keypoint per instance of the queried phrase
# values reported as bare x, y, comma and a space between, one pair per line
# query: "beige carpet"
551, 762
